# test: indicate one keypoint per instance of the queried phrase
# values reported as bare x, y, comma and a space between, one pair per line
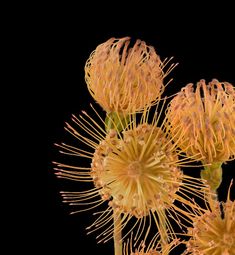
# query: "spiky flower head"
213, 230
203, 121
136, 172
125, 79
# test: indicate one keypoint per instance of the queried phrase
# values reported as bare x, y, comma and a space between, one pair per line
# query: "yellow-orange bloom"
125, 79
213, 230
136, 172
203, 121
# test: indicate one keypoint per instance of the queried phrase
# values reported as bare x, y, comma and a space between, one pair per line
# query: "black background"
202, 43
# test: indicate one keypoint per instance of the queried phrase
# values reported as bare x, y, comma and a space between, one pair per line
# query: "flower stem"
117, 234
163, 231
213, 175
116, 121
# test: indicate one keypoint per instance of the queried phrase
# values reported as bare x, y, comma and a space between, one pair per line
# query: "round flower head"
203, 121
136, 172
125, 79
213, 230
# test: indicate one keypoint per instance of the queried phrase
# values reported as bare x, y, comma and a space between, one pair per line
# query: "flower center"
134, 169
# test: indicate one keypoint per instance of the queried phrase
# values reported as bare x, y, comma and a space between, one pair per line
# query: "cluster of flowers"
136, 155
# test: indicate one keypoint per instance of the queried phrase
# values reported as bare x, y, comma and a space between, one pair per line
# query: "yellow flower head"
203, 121
136, 172
213, 230
125, 79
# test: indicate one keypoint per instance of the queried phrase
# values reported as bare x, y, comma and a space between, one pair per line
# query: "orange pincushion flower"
203, 121
137, 177
123, 79
136, 172
213, 230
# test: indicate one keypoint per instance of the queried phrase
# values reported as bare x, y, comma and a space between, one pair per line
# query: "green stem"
116, 121
213, 175
117, 234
